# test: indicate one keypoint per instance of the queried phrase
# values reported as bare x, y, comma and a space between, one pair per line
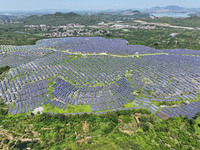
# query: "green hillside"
59, 19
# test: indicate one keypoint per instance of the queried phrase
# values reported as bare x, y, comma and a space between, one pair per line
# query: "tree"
6, 141
32, 114
57, 128
11, 144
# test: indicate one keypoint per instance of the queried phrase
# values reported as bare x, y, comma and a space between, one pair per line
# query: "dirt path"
85, 127
137, 120
83, 140
6, 134
29, 140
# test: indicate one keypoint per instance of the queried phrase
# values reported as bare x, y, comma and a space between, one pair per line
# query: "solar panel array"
187, 110
101, 81
95, 45
100, 98
30, 97
102, 45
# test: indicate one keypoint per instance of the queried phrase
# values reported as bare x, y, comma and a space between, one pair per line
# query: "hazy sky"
91, 4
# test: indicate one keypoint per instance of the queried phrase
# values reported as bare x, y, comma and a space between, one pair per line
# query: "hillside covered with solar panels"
78, 75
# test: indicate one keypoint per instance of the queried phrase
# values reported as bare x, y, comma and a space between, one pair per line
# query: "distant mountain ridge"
171, 9
156, 9
128, 14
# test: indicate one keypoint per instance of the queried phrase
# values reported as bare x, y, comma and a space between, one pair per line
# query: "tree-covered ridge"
60, 19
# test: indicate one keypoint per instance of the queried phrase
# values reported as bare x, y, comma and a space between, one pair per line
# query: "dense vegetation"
3, 72
130, 129
3, 69
159, 38
185, 39
13, 34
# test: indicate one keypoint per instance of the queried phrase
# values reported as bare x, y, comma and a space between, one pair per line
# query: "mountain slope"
58, 19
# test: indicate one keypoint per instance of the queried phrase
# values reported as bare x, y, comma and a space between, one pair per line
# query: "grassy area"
128, 105
69, 109
51, 88
194, 100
